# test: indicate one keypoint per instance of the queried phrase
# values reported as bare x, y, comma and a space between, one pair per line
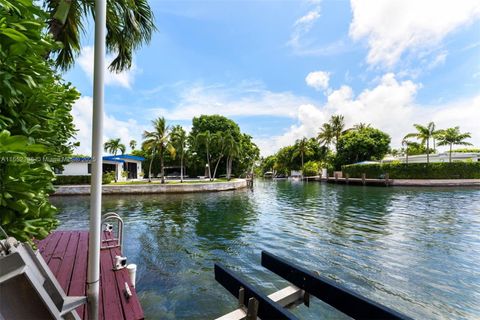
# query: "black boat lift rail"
304, 283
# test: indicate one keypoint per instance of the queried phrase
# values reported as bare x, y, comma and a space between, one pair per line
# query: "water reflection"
414, 249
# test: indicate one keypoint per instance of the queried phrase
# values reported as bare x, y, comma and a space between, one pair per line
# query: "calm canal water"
416, 250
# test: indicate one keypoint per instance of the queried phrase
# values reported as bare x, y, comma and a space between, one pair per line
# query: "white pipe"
93, 273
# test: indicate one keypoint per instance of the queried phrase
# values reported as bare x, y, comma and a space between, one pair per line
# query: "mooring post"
363, 178
346, 177
386, 179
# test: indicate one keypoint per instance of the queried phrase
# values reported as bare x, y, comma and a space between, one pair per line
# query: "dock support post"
93, 272
363, 178
386, 179
346, 178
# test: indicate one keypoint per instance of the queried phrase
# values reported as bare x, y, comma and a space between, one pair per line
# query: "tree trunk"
162, 173
302, 166
428, 151
216, 166
150, 167
228, 168
450, 156
208, 163
181, 169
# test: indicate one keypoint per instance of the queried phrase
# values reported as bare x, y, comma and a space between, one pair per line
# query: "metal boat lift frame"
254, 304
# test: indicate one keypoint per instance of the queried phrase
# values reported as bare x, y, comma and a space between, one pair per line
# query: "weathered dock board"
66, 253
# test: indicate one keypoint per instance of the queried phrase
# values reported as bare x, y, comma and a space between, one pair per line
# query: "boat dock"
66, 253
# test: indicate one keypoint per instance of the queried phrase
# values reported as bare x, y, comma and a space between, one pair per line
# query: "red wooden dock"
66, 253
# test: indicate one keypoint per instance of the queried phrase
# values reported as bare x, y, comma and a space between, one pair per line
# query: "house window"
89, 169
57, 171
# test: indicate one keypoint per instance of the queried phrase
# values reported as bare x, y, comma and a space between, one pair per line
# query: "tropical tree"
453, 136
361, 126
113, 146
130, 24
232, 150
338, 125
326, 135
424, 134
406, 143
158, 143
204, 139
133, 144
179, 141
302, 148
218, 139
36, 124
368, 144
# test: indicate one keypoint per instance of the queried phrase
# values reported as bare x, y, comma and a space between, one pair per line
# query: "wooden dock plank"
131, 306
79, 273
49, 248
59, 253
112, 306
66, 253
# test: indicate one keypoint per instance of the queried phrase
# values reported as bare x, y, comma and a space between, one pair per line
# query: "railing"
107, 227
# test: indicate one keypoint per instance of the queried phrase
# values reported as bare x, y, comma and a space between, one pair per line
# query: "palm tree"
361, 126
130, 24
113, 146
302, 148
325, 136
406, 143
218, 139
452, 136
179, 140
205, 138
232, 150
424, 134
158, 141
133, 144
338, 125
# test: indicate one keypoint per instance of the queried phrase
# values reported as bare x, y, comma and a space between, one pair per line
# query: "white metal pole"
93, 273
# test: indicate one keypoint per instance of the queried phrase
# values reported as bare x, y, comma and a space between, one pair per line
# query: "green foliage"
467, 150
436, 170
113, 146
130, 24
35, 121
362, 145
85, 179
197, 151
311, 168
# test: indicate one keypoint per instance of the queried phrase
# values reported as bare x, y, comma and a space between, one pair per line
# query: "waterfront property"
121, 164
396, 246
437, 157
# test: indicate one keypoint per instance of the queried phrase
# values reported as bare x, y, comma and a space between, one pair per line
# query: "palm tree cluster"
442, 137
113, 146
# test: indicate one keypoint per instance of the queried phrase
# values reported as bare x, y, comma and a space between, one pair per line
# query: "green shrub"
85, 179
310, 168
436, 170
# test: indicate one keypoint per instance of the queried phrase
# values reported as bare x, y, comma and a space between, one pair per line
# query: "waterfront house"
438, 157
81, 166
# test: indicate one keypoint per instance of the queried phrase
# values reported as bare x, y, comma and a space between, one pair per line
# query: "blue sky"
281, 68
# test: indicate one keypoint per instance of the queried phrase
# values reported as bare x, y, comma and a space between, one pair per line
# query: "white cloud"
243, 100
395, 27
302, 26
112, 127
318, 80
123, 79
390, 106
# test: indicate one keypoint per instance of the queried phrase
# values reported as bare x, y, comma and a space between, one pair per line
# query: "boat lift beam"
341, 298
243, 291
304, 284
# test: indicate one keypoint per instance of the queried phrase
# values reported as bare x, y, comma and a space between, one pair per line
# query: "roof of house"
121, 158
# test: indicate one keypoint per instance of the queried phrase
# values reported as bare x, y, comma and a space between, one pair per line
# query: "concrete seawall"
149, 188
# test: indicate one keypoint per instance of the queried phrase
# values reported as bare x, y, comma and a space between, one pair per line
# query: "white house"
117, 164
438, 157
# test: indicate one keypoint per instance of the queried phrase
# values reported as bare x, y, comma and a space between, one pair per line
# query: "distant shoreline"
408, 182
152, 188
